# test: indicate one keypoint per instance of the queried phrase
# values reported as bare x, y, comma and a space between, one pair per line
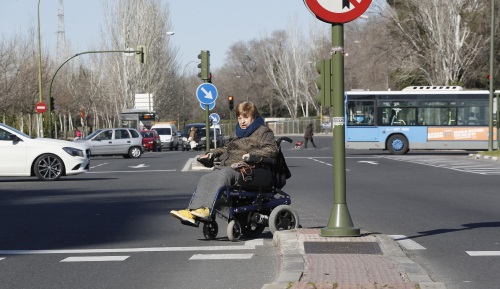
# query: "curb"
293, 264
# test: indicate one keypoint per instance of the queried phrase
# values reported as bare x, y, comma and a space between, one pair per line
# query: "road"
441, 206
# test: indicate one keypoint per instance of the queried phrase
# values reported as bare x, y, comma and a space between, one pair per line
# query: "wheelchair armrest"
259, 160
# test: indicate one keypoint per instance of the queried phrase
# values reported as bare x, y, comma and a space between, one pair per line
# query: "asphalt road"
443, 202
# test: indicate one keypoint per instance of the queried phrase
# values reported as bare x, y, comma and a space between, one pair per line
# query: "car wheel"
48, 167
134, 152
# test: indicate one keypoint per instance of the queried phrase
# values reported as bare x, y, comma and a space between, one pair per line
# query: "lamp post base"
340, 224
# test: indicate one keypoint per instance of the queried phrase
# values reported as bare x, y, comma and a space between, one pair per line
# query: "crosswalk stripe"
95, 259
483, 253
1, 259
220, 256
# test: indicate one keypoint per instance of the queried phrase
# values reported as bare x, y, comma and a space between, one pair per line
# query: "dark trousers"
309, 139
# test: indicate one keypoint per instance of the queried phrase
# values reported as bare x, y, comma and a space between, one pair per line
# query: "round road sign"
40, 107
337, 11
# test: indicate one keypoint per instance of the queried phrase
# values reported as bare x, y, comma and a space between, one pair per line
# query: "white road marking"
249, 245
314, 159
221, 256
369, 162
451, 164
95, 259
1, 259
139, 166
145, 171
93, 167
408, 244
483, 253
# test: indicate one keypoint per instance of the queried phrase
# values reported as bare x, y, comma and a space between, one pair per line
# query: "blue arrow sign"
215, 118
206, 93
210, 106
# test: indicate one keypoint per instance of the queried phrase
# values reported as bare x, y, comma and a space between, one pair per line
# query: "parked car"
115, 141
200, 136
47, 159
151, 140
168, 135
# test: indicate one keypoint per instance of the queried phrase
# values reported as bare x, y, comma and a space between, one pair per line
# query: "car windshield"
90, 136
149, 134
164, 131
15, 130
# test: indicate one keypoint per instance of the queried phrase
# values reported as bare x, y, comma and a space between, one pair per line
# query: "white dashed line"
249, 245
95, 259
483, 253
221, 256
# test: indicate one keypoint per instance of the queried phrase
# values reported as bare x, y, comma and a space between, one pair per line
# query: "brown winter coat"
260, 143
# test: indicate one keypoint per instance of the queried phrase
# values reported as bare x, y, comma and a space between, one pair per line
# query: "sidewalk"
371, 261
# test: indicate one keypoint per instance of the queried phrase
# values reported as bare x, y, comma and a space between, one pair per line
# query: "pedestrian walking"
308, 135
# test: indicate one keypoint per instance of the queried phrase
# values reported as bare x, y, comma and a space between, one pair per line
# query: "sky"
212, 25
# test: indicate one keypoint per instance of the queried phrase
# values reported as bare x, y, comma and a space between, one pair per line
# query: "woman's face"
245, 121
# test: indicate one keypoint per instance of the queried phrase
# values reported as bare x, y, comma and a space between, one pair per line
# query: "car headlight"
203, 138
73, 151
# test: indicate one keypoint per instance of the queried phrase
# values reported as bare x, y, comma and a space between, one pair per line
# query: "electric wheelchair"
255, 203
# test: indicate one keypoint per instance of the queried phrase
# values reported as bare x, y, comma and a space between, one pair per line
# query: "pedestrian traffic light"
230, 101
324, 82
139, 54
204, 56
51, 107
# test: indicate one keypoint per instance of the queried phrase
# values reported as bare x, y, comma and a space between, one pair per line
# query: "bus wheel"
397, 144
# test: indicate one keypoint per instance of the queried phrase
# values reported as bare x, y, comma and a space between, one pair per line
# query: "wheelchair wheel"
252, 230
282, 218
210, 230
233, 231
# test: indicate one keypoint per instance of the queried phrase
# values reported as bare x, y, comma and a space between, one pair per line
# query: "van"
168, 135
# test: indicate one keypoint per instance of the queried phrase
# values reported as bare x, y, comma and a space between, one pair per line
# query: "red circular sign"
41, 107
337, 11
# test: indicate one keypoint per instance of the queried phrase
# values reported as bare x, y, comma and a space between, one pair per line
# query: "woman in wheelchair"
253, 140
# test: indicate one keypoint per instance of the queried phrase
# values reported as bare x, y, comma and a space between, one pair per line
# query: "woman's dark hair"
247, 109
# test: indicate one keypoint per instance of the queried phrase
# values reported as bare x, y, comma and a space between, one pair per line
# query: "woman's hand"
245, 156
205, 156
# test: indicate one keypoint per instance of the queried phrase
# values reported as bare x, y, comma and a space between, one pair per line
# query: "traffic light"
209, 80
230, 101
52, 103
204, 56
139, 54
324, 82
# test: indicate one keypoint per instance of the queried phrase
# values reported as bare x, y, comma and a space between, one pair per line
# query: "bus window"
360, 112
397, 115
438, 115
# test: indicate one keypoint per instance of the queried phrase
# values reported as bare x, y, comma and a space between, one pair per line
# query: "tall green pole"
340, 223
492, 89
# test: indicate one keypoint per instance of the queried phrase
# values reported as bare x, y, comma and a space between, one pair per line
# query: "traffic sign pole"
340, 223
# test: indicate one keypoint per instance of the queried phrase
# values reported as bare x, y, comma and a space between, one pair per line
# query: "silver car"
115, 141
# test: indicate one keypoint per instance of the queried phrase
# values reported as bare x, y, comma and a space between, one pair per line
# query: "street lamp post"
40, 130
147, 63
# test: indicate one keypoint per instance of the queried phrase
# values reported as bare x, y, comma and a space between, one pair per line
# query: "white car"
48, 159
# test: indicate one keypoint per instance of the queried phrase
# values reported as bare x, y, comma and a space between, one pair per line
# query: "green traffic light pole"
340, 223
55, 73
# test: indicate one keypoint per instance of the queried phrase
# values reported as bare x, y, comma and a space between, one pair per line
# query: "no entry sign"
337, 11
40, 107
